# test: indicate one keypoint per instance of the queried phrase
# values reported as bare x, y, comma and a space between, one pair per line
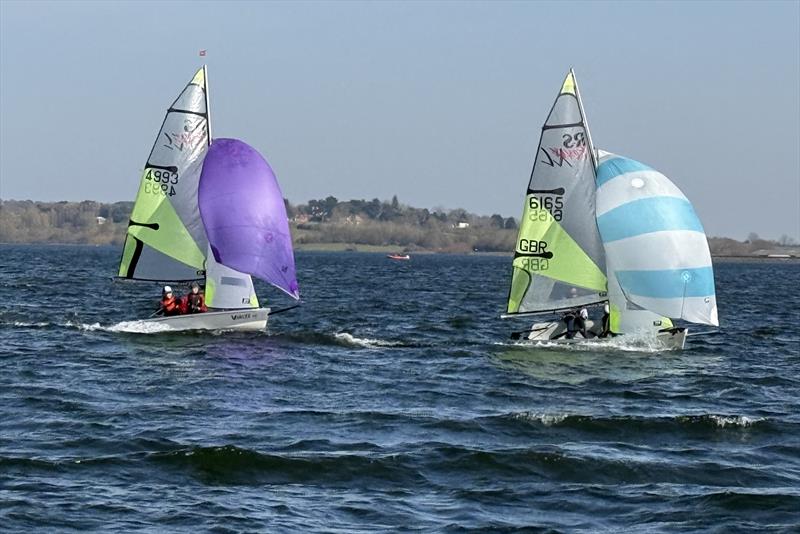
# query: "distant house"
300, 218
101, 220
354, 219
461, 224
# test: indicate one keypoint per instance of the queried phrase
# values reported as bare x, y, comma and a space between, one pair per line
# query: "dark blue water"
392, 401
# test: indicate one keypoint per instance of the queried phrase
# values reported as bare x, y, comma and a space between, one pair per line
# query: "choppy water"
392, 401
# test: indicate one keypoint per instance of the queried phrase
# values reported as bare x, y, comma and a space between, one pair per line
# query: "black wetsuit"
575, 324
605, 325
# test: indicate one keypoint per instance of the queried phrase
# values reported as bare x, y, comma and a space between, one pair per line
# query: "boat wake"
348, 339
128, 327
637, 342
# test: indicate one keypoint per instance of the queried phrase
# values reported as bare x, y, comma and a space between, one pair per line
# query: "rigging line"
683, 299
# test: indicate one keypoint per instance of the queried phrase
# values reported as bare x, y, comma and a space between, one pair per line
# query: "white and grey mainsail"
559, 259
166, 239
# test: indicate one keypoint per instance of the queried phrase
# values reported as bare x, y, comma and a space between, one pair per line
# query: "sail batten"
559, 258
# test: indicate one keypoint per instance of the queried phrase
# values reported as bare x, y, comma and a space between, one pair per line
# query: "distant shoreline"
330, 225
388, 249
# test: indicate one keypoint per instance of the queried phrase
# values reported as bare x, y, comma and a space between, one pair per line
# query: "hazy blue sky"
439, 103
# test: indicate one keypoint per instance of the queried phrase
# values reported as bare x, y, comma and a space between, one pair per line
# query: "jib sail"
559, 260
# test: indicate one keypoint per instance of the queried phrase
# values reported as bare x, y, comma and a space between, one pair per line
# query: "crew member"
168, 305
605, 322
576, 323
195, 303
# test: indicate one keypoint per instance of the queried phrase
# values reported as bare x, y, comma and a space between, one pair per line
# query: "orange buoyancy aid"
169, 305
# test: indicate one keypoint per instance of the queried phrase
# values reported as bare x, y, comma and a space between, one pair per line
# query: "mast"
583, 115
208, 104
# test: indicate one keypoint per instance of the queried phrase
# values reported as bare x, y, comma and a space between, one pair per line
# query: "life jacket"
195, 303
169, 305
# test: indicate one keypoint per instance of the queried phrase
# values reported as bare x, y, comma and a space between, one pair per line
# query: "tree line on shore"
320, 221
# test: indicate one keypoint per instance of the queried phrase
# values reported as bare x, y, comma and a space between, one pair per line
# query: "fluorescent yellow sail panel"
614, 319
155, 223
520, 282
199, 78
210, 291
127, 256
569, 84
548, 250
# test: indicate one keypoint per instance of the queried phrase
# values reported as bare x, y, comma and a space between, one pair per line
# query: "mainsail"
656, 250
165, 239
559, 260
244, 214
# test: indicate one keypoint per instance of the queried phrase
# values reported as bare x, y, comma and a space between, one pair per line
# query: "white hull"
248, 319
554, 332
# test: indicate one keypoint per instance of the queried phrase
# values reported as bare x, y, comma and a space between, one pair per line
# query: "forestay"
559, 259
244, 214
654, 242
165, 238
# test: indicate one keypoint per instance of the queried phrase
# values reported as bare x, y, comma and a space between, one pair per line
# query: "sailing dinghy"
599, 228
208, 210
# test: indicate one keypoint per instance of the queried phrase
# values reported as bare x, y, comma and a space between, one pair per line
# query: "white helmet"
584, 313
167, 289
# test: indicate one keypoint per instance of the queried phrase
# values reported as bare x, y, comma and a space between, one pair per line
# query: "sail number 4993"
160, 182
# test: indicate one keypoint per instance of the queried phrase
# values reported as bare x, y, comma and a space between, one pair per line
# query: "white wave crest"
30, 325
542, 418
350, 339
734, 420
132, 327
139, 327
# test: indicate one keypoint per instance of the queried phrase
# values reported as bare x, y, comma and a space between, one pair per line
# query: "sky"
439, 103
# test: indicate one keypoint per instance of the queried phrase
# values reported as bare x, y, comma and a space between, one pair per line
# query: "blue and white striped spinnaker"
656, 249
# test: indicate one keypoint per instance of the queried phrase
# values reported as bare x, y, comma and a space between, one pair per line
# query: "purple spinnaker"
244, 215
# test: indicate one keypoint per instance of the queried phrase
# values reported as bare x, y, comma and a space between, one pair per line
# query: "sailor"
576, 323
580, 323
195, 303
168, 305
605, 322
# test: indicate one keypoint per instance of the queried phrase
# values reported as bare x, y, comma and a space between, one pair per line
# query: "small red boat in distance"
398, 256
